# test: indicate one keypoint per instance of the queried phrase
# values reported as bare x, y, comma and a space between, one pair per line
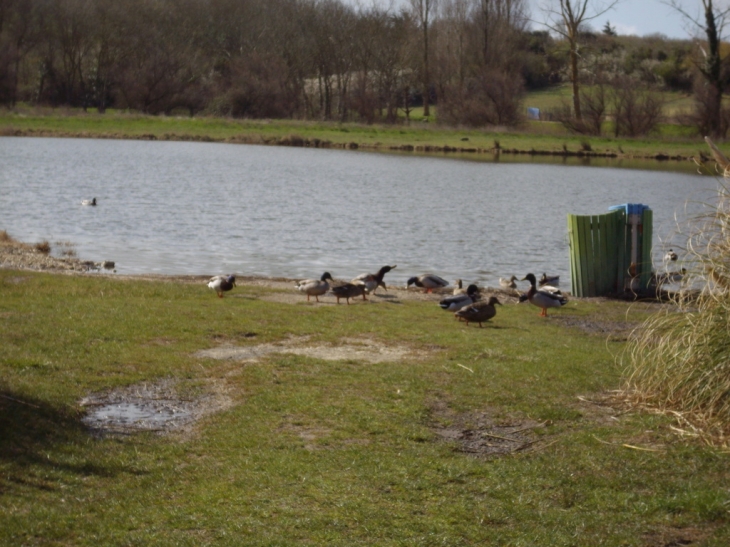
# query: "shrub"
678, 362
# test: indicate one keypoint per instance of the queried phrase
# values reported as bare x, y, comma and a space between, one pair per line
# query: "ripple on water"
206, 208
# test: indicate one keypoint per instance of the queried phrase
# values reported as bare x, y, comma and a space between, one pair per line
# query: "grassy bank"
535, 139
413, 448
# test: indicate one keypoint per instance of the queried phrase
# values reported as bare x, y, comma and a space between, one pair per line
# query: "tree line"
331, 60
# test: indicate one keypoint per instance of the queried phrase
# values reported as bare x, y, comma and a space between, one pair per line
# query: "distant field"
675, 102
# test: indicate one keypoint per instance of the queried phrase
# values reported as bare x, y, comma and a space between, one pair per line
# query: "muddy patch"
362, 350
483, 433
613, 330
157, 406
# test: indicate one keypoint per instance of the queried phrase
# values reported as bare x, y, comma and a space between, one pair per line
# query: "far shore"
537, 141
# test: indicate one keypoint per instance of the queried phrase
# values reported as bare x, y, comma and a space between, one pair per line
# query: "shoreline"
21, 256
304, 142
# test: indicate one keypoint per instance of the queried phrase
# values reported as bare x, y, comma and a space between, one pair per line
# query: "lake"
209, 208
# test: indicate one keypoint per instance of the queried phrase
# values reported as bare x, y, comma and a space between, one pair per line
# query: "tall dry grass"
678, 362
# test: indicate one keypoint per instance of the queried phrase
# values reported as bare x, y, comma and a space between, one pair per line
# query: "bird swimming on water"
671, 256
88, 201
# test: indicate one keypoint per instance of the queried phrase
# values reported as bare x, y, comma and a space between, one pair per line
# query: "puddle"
151, 407
150, 415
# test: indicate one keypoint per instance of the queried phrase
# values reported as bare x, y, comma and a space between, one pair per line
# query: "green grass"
316, 452
547, 137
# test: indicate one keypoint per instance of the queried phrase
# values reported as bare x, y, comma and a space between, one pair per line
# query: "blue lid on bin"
631, 208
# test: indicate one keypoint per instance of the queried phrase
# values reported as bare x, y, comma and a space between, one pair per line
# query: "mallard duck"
348, 290
88, 201
478, 312
552, 280
429, 282
373, 281
508, 284
670, 256
544, 297
222, 283
315, 287
458, 301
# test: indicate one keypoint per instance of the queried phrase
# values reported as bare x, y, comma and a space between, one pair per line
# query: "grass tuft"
678, 362
43, 247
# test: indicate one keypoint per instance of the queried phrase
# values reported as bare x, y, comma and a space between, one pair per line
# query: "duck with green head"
314, 287
544, 297
222, 283
428, 282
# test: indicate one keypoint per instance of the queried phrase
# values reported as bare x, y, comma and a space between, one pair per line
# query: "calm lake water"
205, 208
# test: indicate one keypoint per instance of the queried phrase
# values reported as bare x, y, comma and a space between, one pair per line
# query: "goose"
544, 297
348, 290
88, 201
315, 287
222, 283
670, 256
478, 312
456, 302
552, 280
508, 283
373, 281
429, 282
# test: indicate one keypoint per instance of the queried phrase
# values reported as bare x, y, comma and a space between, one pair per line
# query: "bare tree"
712, 67
424, 12
636, 111
566, 19
480, 69
19, 35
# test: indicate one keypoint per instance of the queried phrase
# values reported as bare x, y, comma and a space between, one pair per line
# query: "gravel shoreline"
16, 255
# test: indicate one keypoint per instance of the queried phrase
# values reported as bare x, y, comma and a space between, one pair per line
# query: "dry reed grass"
678, 361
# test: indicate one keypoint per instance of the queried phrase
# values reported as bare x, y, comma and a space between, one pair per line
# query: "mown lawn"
312, 451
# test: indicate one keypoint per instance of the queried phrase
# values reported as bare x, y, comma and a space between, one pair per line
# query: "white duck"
222, 283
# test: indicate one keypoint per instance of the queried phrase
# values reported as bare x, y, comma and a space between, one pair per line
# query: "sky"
637, 17
633, 17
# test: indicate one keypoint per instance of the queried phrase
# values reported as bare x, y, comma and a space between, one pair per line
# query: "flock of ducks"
466, 303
